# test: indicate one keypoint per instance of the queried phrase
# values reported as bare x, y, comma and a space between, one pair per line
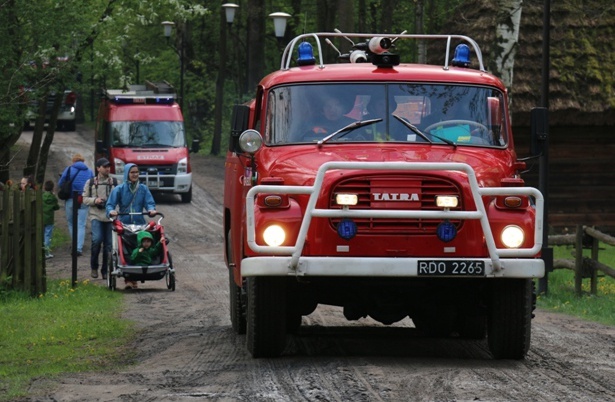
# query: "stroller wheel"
171, 281
170, 275
111, 279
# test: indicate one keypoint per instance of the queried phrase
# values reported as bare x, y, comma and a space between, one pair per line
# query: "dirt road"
187, 351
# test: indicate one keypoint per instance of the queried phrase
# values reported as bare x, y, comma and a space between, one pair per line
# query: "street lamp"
229, 9
279, 24
167, 29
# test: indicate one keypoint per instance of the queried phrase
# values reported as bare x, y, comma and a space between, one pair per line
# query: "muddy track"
186, 349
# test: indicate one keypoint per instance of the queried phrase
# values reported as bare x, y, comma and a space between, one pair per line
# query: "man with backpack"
95, 194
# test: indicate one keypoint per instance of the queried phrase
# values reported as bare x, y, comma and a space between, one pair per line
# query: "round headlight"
250, 141
274, 235
512, 236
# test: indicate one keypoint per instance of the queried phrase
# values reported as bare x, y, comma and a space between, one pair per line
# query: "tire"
237, 305
238, 317
266, 319
293, 321
473, 327
170, 277
170, 281
187, 197
69, 125
111, 265
510, 315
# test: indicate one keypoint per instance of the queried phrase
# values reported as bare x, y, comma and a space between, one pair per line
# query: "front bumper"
288, 260
381, 267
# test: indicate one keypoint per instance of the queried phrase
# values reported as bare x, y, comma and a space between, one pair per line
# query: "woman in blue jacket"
131, 196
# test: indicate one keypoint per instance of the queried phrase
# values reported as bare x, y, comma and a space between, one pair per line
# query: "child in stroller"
140, 254
146, 250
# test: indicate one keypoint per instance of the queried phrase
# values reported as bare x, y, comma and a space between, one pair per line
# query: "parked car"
66, 115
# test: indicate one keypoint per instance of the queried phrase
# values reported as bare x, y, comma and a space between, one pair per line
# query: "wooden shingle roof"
582, 53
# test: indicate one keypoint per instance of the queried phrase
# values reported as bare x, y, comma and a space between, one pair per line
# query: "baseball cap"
103, 162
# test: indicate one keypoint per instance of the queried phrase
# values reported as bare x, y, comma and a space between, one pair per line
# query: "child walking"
50, 205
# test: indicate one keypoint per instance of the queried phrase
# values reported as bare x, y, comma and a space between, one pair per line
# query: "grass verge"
66, 330
561, 296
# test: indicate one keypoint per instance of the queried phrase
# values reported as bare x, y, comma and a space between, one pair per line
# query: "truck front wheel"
266, 318
187, 197
238, 317
510, 315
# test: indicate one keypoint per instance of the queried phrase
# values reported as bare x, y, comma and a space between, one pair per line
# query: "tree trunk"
386, 21
507, 37
219, 102
345, 10
256, 43
421, 48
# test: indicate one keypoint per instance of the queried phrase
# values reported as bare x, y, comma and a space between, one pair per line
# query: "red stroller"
124, 241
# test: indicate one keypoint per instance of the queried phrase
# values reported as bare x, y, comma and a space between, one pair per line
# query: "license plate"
152, 183
451, 268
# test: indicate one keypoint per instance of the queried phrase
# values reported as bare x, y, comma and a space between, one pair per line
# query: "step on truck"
387, 188
143, 124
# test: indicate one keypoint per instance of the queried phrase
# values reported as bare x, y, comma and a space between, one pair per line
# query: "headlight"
512, 236
274, 235
119, 166
182, 166
346, 199
250, 141
447, 201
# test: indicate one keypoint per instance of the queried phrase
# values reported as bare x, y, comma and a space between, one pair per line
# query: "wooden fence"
22, 260
584, 267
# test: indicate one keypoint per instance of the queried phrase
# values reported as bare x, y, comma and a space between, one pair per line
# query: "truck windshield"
148, 133
399, 112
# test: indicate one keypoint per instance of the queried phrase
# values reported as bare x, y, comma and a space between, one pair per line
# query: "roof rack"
288, 51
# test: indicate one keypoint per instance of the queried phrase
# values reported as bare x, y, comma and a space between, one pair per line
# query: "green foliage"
66, 330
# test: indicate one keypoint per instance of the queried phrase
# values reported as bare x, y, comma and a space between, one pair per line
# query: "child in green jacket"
147, 250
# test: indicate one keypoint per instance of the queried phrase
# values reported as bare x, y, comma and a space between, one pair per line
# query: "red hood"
298, 164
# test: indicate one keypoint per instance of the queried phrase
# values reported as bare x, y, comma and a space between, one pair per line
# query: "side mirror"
196, 145
239, 124
539, 129
495, 112
100, 148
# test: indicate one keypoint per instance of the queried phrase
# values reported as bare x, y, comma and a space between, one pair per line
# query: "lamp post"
167, 29
226, 21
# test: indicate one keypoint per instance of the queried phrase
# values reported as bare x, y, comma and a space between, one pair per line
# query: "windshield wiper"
348, 128
416, 130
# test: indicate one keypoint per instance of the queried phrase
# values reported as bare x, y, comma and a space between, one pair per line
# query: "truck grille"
394, 193
167, 173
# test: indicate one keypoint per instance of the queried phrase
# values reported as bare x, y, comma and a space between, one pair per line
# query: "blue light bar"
462, 56
305, 54
141, 100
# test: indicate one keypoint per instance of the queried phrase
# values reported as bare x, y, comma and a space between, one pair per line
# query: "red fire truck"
144, 125
389, 189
